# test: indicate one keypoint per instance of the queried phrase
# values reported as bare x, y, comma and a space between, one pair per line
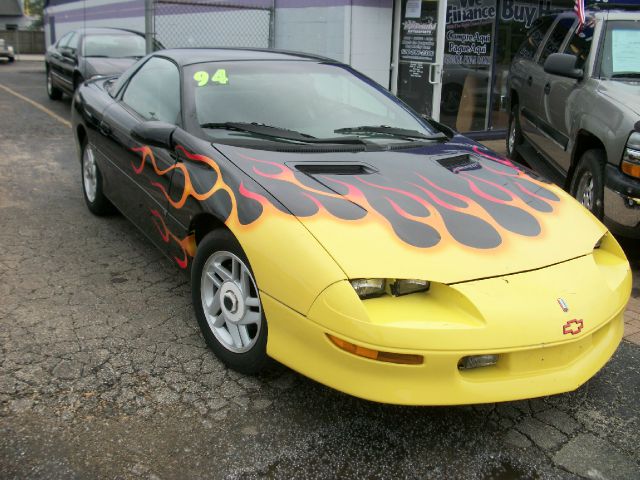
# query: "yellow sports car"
328, 226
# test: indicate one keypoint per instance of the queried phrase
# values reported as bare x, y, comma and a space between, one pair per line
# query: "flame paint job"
478, 210
187, 244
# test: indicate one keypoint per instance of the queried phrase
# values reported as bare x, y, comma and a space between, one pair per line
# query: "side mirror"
67, 52
563, 64
154, 134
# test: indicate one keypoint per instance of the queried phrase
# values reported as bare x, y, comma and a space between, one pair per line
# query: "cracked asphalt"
104, 373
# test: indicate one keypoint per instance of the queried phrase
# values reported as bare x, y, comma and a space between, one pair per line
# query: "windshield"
119, 45
317, 100
620, 58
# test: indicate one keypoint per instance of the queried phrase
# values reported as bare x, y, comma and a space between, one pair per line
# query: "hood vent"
460, 163
334, 168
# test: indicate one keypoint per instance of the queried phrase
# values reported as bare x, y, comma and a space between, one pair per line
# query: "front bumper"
519, 317
622, 202
519, 373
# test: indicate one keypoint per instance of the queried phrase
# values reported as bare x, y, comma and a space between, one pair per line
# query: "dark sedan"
327, 225
89, 52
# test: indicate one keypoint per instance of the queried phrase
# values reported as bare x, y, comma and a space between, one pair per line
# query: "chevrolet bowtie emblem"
563, 305
572, 327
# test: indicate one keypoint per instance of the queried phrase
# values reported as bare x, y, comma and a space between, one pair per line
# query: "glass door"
418, 52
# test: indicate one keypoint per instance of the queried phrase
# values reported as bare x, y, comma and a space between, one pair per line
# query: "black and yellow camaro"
327, 225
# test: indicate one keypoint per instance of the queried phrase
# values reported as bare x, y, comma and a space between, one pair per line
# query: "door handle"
105, 129
547, 88
529, 81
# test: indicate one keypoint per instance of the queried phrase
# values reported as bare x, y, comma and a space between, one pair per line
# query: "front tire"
94, 197
514, 137
227, 303
587, 185
54, 92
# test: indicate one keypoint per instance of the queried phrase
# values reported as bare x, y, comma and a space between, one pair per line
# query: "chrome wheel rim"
585, 191
512, 136
230, 302
49, 84
89, 173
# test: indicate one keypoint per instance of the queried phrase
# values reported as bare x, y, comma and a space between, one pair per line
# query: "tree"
35, 8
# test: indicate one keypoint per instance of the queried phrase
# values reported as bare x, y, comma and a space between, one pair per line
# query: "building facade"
446, 58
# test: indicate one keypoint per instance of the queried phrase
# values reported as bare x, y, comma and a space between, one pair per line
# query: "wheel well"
513, 99
77, 78
81, 133
584, 141
203, 223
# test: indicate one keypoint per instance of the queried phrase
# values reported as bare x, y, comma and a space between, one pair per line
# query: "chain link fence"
206, 23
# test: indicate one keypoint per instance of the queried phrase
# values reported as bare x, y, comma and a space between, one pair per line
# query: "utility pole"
149, 33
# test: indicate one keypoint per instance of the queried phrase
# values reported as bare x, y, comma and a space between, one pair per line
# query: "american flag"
579, 9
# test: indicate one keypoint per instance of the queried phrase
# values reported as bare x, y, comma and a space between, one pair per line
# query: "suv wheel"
53, 92
514, 138
587, 185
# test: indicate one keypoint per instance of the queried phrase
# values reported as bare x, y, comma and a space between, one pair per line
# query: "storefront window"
481, 39
468, 58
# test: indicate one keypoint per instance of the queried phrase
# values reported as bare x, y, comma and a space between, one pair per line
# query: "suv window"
556, 38
538, 30
154, 91
580, 44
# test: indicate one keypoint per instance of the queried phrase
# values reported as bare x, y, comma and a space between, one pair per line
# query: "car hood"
447, 213
107, 66
623, 93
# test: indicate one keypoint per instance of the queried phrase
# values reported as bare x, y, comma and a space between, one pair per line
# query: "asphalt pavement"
104, 373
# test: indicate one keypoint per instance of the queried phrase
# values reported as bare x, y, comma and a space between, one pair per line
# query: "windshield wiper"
626, 75
279, 132
391, 131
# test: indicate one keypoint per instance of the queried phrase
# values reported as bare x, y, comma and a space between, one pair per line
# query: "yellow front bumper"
520, 373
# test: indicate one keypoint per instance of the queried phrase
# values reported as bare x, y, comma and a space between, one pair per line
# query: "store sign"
523, 11
469, 32
418, 35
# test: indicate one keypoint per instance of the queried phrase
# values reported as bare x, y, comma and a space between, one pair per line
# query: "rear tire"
54, 92
227, 303
514, 135
587, 184
94, 197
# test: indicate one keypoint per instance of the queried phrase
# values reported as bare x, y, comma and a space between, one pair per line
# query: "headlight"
631, 156
375, 287
368, 287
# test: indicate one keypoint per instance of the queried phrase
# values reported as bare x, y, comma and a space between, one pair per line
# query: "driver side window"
154, 91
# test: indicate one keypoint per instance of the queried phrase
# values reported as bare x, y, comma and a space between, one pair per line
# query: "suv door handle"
547, 88
529, 81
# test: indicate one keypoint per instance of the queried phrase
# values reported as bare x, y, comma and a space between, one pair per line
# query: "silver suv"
575, 110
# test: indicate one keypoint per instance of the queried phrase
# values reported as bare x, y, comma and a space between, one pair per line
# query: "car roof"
103, 30
190, 56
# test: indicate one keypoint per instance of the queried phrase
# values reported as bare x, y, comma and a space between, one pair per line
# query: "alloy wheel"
585, 191
230, 302
89, 173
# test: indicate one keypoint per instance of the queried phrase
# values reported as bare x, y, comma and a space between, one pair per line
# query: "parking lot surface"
104, 374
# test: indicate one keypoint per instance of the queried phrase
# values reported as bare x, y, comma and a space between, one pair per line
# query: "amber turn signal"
632, 169
390, 357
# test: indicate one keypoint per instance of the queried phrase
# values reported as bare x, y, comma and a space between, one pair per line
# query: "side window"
556, 38
538, 30
580, 44
64, 40
154, 91
73, 42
